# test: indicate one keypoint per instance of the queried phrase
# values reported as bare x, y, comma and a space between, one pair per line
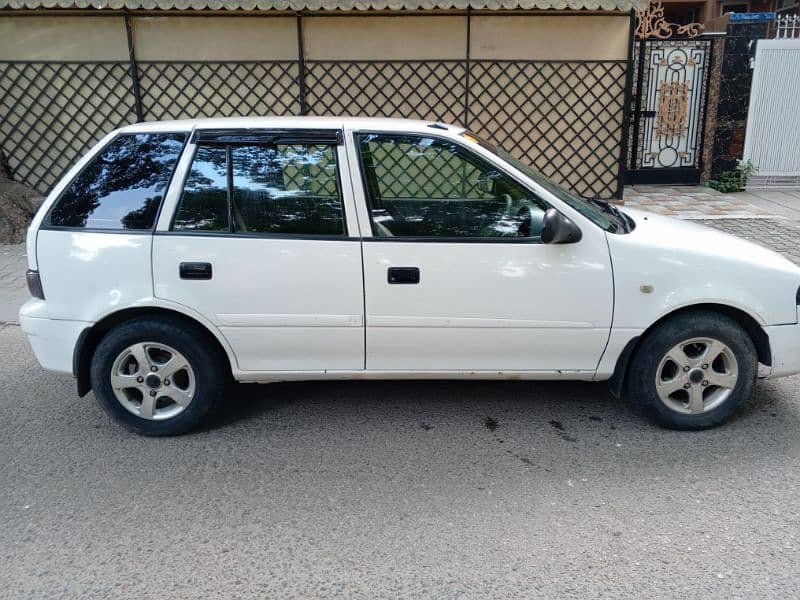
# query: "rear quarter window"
123, 186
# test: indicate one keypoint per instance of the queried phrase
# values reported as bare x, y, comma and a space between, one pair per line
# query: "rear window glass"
204, 203
123, 186
274, 189
286, 189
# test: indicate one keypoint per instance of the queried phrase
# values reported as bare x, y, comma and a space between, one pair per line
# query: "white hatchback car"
178, 255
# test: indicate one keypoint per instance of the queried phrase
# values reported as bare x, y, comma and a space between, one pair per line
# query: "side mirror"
558, 229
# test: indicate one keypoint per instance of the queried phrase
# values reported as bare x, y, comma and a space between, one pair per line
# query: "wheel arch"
744, 319
91, 336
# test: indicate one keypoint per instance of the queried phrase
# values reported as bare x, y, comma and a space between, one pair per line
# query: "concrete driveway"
403, 489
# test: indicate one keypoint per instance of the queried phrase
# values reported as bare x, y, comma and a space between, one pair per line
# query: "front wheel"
693, 371
157, 376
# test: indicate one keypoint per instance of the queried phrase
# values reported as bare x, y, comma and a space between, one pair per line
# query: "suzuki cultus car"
177, 256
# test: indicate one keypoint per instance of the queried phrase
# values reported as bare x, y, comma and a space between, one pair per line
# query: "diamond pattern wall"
52, 113
431, 90
563, 117
218, 89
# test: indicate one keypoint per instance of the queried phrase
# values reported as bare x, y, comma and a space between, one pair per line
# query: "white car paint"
290, 305
483, 307
297, 309
686, 263
493, 306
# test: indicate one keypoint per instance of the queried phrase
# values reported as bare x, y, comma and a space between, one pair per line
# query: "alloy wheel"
696, 375
153, 381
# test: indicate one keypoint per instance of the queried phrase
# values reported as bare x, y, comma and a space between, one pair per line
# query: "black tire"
641, 379
208, 364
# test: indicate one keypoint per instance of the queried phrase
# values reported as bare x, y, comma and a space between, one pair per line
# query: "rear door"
262, 242
456, 276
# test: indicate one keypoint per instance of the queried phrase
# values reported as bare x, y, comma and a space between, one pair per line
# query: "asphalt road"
395, 489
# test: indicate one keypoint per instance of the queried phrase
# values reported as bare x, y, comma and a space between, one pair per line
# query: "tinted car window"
286, 189
429, 187
204, 202
277, 189
122, 187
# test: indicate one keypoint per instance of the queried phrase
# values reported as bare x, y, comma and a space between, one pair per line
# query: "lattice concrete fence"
550, 89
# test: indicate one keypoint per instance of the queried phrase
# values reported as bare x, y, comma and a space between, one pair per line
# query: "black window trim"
432, 239
259, 236
264, 135
345, 235
96, 230
46, 224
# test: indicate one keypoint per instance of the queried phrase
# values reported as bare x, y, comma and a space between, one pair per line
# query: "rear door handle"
195, 270
403, 275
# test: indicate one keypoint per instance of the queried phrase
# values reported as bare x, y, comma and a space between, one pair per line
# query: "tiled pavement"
781, 235
769, 218
695, 202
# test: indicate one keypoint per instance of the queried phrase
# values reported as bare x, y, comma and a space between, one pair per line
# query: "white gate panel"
772, 140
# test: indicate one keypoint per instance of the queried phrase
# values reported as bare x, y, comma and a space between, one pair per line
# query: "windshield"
589, 209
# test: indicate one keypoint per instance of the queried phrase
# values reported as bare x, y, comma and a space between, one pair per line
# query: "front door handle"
403, 275
195, 270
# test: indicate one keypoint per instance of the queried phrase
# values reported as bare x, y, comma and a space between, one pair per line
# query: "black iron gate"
669, 110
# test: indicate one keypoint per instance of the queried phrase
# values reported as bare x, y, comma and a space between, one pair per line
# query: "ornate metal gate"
669, 101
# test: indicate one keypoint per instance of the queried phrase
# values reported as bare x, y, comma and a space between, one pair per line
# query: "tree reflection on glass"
122, 187
204, 203
286, 189
277, 188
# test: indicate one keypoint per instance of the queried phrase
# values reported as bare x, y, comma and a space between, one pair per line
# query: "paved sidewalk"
785, 203
699, 202
767, 217
779, 234
13, 289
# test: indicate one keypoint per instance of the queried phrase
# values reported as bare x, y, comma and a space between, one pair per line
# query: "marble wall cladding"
712, 103
736, 75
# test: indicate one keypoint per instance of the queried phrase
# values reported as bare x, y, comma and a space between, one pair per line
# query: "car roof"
364, 123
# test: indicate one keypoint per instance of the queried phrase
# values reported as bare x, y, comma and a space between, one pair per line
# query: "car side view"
178, 256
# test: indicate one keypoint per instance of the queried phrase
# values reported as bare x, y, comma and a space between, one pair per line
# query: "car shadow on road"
245, 402
577, 414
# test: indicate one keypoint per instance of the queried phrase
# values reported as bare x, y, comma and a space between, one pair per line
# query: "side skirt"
276, 376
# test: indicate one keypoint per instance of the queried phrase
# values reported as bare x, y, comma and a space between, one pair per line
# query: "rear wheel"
157, 376
693, 371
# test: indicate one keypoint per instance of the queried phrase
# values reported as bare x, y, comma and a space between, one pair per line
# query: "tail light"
34, 284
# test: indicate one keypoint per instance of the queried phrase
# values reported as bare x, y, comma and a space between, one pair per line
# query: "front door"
259, 245
456, 277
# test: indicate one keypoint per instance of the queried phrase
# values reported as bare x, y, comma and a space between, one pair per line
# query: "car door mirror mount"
558, 229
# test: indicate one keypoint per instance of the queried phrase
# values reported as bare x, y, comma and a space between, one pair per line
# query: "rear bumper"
784, 343
53, 340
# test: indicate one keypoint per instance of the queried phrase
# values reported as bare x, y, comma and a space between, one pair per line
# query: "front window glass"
588, 209
122, 187
429, 187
